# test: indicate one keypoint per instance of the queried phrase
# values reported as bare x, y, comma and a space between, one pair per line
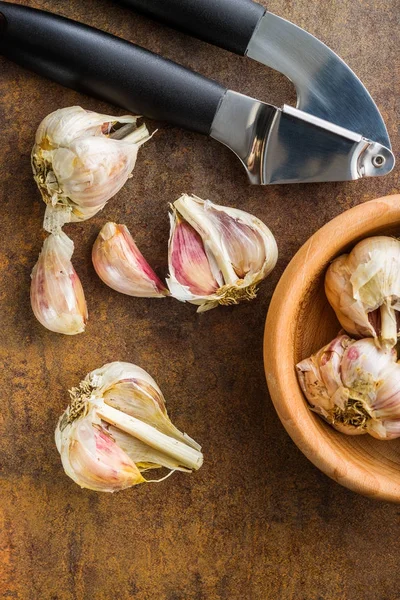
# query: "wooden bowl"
299, 322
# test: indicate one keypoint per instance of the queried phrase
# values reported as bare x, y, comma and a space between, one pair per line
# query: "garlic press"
335, 133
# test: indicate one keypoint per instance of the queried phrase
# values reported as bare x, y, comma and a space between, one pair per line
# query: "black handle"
99, 64
226, 23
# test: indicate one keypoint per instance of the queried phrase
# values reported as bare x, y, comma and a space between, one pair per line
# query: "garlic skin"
120, 265
363, 288
93, 458
117, 427
79, 161
217, 255
355, 386
57, 297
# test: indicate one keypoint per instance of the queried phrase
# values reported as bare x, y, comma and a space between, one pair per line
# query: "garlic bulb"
117, 427
57, 297
81, 159
217, 255
363, 288
119, 263
355, 386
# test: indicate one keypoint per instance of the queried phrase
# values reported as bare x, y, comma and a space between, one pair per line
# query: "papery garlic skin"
120, 265
57, 297
91, 457
78, 165
355, 386
363, 288
117, 427
217, 255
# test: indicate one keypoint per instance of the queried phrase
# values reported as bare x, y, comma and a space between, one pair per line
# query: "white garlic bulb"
117, 427
363, 288
355, 386
120, 264
57, 297
217, 255
79, 161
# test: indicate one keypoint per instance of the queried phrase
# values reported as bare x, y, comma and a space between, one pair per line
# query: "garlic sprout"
57, 297
119, 263
217, 255
117, 427
363, 288
81, 159
355, 386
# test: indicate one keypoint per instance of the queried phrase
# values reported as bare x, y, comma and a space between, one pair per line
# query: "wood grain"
259, 521
300, 321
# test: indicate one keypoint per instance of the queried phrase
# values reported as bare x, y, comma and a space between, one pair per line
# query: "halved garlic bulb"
81, 159
363, 288
57, 297
120, 264
217, 255
117, 427
355, 386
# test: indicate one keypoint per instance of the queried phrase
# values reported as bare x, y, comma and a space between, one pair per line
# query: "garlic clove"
363, 364
120, 265
363, 288
133, 391
386, 429
57, 297
79, 161
143, 455
108, 437
92, 459
339, 292
189, 263
136, 398
320, 376
239, 248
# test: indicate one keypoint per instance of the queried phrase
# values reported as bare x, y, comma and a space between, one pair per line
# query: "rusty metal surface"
258, 521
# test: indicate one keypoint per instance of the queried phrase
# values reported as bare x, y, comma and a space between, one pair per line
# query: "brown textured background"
258, 521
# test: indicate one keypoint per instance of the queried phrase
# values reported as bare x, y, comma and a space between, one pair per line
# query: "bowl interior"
301, 322
317, 326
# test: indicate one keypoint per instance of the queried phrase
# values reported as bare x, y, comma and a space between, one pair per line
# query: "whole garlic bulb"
79, 161
117, 427
363, 288
355, 386
120, 264
57, 297
217, 255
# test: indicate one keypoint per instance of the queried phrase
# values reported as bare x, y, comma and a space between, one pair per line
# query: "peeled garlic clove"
57, 297
355, 386
117, 427
217, 255
119, 263
363, 288
81, 159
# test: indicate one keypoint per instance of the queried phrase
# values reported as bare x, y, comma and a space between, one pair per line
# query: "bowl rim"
280, 373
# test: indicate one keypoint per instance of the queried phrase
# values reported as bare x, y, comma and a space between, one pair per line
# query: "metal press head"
336, 131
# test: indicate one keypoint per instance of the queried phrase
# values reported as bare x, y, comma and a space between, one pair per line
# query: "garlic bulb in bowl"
217, 255
355, 386
81, 159
117, 427
363, 288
